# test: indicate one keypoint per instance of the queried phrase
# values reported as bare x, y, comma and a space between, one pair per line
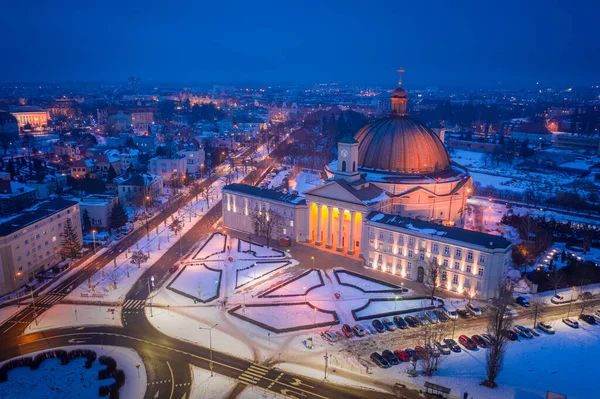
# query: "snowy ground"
198, 281
212, 248
63, 316
8, 312
260, 251
399, 305
289, 316
367, 285
53, 381
205, 386
252, 271
299, 286
305, 181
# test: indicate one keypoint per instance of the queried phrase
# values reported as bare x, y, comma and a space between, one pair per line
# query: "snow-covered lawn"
197, 281
8, 312
260, 251
53, 381
363, 283
399, 305
215, 387
63, 315
212, 248
304, 181
299, 286
286, 316
257, 270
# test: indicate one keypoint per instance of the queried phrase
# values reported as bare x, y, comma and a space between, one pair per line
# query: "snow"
305, 181
255, 271
281, 317
53, 381
425, 231
8, 312
63, 315
204, 386
277, 181
261, 251
378, 307
198, 281
299, 286
377, 217
367, 285
215, 245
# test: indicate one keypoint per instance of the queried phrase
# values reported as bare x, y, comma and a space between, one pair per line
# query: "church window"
410, 253
343, 166
422, 255
354, 166
435, 248
411, 242
401, 241
408, 266
480, 271
457, 265
455, 279
391, 237
458, 253
381, 235
444, 276
481, 258
446, 251
470, 256
468, 268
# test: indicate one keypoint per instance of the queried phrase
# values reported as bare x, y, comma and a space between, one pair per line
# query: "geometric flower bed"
365, 283
197, 282
257, 270
216, 244
386, 307
259, 251
285, 317
299, 285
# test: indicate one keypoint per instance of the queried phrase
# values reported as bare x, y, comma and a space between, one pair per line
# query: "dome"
399, 93
400, 145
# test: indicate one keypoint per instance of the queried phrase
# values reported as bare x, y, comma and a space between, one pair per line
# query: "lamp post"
210, 345
18, 274
94, 239
313, 260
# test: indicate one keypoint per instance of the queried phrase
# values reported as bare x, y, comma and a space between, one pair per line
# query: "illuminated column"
351, 243
340, 220
318, 239
329, 232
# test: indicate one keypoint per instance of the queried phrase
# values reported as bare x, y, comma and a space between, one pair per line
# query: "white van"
450, 311
558, 299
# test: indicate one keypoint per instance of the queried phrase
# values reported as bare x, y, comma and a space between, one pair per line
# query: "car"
422, 352
522, 301
411, 352
467, 342
329, 336
403, 356
431, 317
390, 357
586, 295
473, 309
441, 316
463, 313
347, 331
380, 360
545, 327
388, 324
369, 328
378, 325
443, 348
450, 312
117, 237
522, 331
422, 319
588, 318
511, 335
433, 350
510, 313
533, 332
359, 330
400, 322
411, 321
479, 341
559, 299
571, 323
173, 269
488, 338
452, 345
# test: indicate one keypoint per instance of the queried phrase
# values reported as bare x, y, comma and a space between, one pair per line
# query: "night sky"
443, 43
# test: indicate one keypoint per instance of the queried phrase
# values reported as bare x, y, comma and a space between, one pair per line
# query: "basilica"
393, 198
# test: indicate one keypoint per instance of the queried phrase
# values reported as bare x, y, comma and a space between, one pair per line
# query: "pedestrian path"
253, 374
48, 300
134, 306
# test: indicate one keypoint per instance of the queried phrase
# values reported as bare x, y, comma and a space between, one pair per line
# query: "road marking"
275, 380
77, 340
297, 382
172, 380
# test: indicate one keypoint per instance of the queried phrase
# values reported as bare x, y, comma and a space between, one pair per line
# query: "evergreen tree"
87, 221
71, 246
111, 174
118, 217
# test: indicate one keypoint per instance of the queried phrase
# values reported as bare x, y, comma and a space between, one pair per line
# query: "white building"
194, 159
134, 189
167, 167
130, 158
99, 208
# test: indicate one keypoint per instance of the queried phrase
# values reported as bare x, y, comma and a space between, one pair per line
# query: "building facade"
168, 167
139, 188
99, 208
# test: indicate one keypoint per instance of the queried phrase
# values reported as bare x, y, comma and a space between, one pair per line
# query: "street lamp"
18, 274
210, 345
313, 260
94, 239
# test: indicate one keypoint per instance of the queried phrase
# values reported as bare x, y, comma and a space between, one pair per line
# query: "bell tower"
347, 166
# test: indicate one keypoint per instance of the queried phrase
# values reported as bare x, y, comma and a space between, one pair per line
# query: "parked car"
559, 299
347, 331
380, 360
452, 345
510, 313
411, 352
571, 323
488, 338
522, 331
586, 295
400, 322
173, 269
359, 330
545, 327
388, 324
473, 309
422, 352
533, 332
431, 317
441, 315
433, 350
369, 328
450, 312
480, 341
411, 321
467, 342
117, 237
390, 357
463, 313
378, 325
522, 301
422, 319
403, 356
128, 228
329, 336
443, 348
588, 318
339, 335
510, 335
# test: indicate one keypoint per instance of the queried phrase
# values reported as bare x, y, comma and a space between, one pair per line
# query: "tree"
111, 174
176, 226
118, 216
497, 323
86, 220
71, 245
433, 276
267, 223
207, 192
138, 257
556, 278
537, 307
587, 298
430, 334
113, 275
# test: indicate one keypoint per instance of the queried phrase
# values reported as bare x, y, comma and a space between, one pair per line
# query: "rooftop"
34, 214
266, 193
433, 229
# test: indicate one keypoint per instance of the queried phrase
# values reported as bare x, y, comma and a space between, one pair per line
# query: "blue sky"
445, 43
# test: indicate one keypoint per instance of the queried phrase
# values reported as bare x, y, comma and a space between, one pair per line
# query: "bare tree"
207, 192
430, 334
176, 226
537, 307
586, 299
137, 258
433, 276
113, 275
267, 223
497, 323
556, 278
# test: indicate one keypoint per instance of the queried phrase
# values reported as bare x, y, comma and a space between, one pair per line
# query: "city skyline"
469, 44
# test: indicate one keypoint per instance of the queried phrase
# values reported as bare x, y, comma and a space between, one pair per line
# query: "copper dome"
401, 145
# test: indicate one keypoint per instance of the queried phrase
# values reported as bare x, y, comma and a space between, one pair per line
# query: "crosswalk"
253, 374
134, 306
49, 299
